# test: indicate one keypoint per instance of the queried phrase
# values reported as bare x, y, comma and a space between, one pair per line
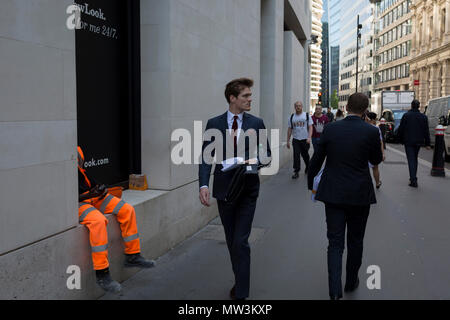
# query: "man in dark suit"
236, 126
346, 188
413, 132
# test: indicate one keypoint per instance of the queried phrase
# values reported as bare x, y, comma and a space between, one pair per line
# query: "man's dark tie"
234, 131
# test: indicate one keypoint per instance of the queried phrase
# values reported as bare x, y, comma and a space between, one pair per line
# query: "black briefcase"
238, 182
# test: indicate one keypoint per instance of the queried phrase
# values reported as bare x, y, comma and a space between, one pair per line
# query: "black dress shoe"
335, 297
353, 287
413, 184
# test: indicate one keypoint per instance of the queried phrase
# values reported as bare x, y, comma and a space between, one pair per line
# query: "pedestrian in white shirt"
301, 129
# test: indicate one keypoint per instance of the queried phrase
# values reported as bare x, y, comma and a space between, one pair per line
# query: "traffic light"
320, 98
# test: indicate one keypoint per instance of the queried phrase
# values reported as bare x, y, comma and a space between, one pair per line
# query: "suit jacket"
222, 179
348, 146
413, 129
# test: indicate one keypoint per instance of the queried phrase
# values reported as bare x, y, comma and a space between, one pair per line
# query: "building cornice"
436, 53
393, 83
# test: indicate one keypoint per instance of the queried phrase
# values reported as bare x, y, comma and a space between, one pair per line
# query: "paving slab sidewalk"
407, 237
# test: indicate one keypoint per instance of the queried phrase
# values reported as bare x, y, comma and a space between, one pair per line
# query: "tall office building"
350, 10
325, 82
393, 35
316, 51
334, 23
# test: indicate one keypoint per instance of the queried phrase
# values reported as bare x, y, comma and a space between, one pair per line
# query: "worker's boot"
105, 281
136, 260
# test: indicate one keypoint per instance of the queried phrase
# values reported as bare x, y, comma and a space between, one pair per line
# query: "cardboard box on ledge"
138, 182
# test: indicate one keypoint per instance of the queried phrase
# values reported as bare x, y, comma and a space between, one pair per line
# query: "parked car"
393, 119
437, 112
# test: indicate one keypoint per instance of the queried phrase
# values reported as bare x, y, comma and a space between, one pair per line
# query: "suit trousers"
412, 154
338, 218
315, 143
300, 148
237, 223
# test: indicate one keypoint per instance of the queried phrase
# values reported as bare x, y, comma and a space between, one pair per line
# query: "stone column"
435, 26
412, 77
415, 76
439, 76
423, 88
447, 22
446, 78
272, 45
434, 81
423, 48
415, 39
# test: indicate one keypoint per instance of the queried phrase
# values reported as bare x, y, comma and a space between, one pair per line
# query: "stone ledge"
38, 271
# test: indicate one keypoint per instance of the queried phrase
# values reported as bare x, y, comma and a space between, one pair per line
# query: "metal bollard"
438, 157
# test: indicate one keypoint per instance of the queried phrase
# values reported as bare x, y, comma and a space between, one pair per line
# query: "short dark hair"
235, 87
358, 103
415, 104
372, 115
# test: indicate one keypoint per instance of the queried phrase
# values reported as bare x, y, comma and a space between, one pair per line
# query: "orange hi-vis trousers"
91, 214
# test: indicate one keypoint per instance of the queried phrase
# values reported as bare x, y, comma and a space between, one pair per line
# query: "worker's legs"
126, 217
96, 223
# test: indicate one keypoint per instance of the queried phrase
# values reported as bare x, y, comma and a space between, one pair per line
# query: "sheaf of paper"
229, 164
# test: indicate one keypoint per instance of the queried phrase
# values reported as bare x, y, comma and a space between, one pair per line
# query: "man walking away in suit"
236, 216
346, 188
300, 126
413, 132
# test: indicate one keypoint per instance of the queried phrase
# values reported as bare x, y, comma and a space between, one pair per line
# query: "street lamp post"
358, 36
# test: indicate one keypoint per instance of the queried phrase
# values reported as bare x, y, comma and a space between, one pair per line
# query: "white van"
437, 110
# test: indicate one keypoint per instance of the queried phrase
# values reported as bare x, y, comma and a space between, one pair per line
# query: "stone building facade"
430, 60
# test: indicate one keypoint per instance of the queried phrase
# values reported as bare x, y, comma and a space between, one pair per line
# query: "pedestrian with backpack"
301, 130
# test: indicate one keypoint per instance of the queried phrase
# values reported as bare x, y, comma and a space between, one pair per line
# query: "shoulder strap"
292, 123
